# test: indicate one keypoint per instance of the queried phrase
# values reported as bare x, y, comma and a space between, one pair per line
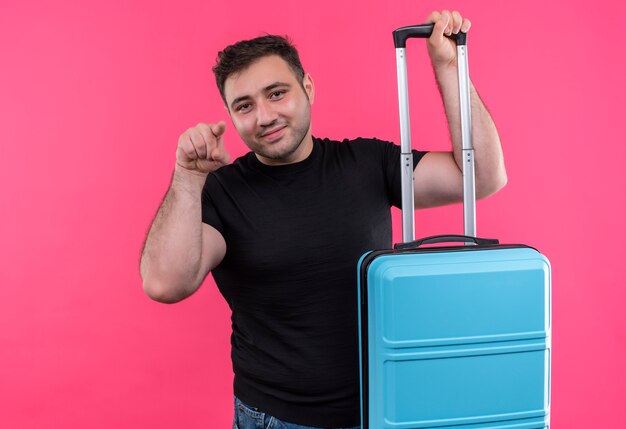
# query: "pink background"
94, 96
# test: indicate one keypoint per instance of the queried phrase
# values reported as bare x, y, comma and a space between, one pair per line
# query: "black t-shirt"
294, 234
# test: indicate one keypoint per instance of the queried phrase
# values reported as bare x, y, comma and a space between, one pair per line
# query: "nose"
266, 115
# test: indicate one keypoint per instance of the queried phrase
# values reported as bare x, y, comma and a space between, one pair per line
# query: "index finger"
441, 21
218, 128
433, 17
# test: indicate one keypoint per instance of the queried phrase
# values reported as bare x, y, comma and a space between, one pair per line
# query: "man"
282, 228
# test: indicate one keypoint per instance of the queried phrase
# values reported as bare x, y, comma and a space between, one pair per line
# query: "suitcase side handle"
446, 239
422, 31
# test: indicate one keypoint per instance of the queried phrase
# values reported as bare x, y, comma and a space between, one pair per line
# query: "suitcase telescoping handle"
400, 37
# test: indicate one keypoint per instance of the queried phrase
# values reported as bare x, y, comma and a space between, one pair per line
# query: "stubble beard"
299, 133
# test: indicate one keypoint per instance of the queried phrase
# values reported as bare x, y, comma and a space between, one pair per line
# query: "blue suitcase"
453, 336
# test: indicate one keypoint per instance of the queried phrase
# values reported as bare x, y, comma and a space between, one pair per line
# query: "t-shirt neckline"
286, 168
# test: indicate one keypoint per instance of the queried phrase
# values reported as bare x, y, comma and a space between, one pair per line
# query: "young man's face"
271, 110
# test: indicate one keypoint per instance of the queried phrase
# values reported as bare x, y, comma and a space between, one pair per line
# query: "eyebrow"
266, 89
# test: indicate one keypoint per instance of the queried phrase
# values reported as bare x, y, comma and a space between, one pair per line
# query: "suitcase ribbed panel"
457, 339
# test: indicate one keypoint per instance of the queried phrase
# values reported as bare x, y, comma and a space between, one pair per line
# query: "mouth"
274, 133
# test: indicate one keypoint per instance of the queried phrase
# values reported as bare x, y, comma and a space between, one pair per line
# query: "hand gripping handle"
422, 31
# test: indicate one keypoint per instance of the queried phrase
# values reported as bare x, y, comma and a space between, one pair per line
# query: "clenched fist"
442, 49
201, 149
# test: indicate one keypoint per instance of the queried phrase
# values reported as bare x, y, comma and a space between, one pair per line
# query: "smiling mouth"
275, 132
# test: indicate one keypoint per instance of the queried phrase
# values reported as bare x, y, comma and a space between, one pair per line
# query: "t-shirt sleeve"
393, 177
209, 213
385, 157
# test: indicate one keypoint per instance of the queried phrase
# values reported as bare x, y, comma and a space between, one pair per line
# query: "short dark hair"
239, 56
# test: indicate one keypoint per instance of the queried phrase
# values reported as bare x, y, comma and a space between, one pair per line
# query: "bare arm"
180, 250
438, 176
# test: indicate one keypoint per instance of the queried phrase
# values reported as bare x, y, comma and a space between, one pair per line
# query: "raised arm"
438, 176
180, 250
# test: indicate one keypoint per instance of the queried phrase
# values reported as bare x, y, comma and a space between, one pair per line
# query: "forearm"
171, 258
490, 172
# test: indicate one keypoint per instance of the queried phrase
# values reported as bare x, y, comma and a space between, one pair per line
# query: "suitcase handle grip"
422, 31
446, 239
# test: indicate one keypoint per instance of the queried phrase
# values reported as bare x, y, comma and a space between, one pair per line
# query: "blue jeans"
250, 418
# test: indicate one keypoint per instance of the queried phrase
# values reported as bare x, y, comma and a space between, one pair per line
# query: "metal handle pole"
469, 189
406, 156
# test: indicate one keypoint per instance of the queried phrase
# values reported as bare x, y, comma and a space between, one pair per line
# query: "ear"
309, 87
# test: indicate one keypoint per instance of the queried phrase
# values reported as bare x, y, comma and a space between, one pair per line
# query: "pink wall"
93, 98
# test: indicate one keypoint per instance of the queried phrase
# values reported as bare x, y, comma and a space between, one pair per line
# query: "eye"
244, 107
276, 95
